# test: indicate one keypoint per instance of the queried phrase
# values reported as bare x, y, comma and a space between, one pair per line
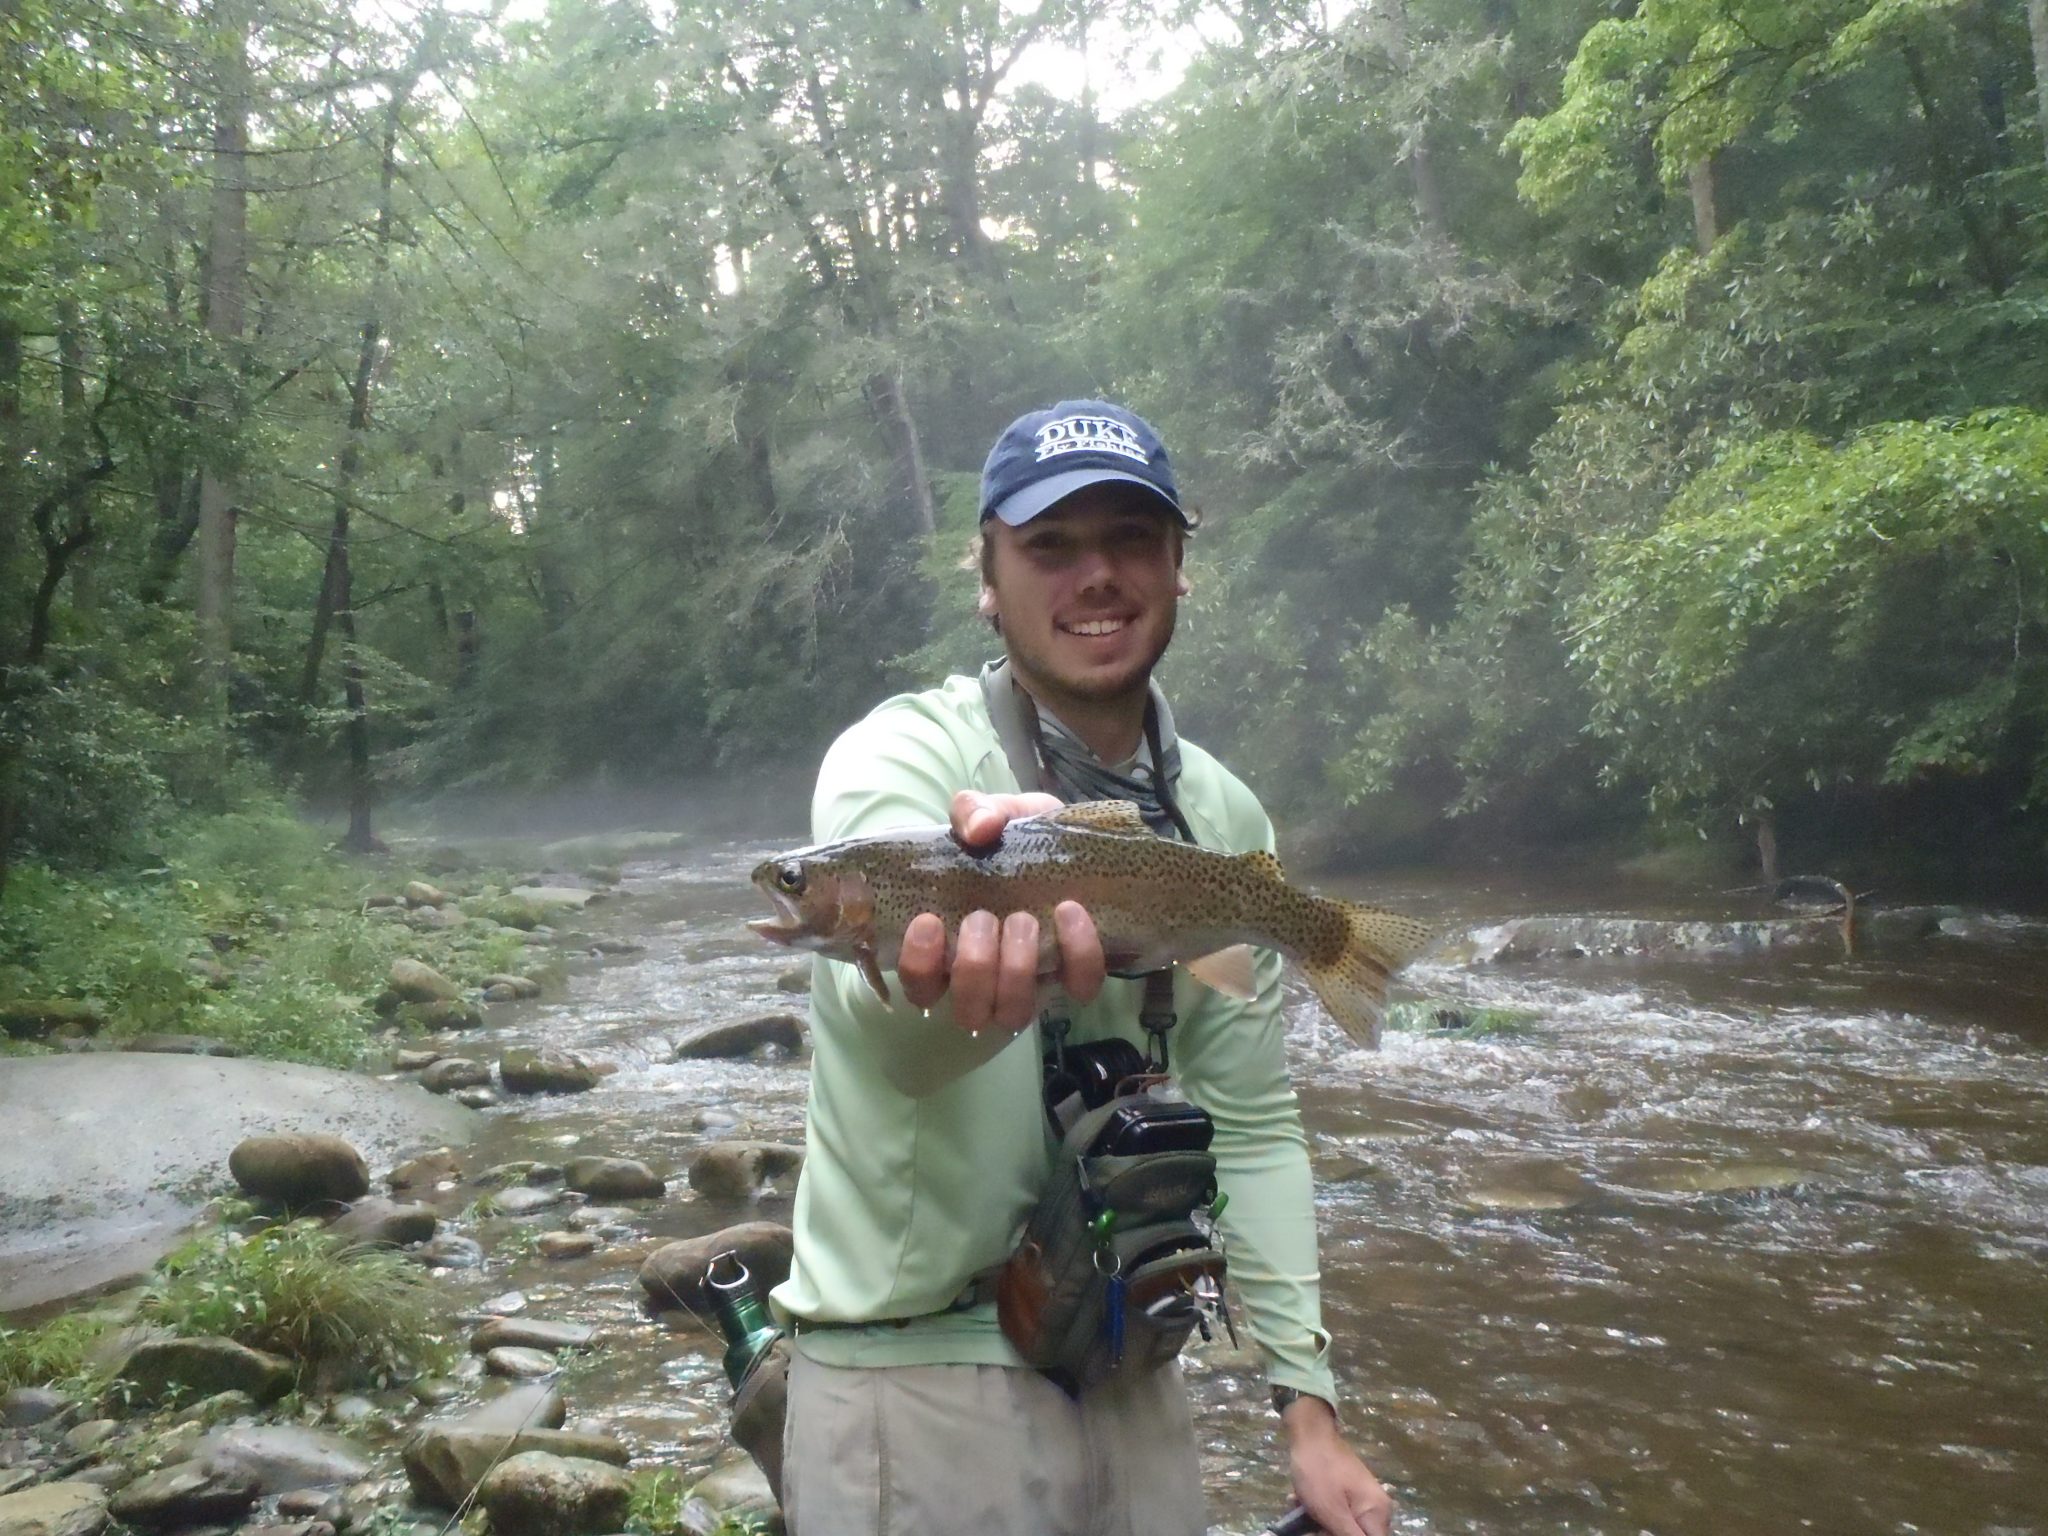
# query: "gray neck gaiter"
1067, 768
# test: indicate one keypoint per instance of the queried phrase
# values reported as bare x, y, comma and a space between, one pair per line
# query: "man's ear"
1180, 583
985, 605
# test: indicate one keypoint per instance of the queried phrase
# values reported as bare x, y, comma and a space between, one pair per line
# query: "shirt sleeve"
897, 768
1233, 1063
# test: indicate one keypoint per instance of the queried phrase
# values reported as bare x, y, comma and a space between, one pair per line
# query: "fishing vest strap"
1156, 1014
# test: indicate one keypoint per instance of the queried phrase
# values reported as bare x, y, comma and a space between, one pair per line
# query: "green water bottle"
742, 1317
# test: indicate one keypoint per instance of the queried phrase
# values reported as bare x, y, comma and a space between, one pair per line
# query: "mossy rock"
39, 1018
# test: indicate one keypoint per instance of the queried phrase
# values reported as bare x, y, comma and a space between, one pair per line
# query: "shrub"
55, 1351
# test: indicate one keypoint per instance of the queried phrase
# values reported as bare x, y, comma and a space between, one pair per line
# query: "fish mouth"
785, 927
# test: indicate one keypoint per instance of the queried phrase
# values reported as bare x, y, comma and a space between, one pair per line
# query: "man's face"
1086, 592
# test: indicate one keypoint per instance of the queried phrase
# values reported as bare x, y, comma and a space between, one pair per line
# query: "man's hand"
994, 972
1329, 1479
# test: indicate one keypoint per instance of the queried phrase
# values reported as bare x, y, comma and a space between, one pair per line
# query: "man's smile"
1092, 627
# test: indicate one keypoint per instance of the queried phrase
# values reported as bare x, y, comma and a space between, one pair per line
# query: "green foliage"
1454, 1021
657, 1509
55, 1351
286, 1289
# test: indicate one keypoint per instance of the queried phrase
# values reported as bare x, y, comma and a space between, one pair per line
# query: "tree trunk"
465, 649
1699, 179
2037, 28
1429, 197
227, 261
11, 535
1767, 846
906, 448
547, 558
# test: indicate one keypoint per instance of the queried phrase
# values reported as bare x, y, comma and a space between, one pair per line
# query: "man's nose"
1094, 569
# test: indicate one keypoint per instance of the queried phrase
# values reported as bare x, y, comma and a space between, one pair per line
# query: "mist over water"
1719, 1242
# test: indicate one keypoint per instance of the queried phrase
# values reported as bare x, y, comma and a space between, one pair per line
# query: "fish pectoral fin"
1228, 971
871, 967
1120, 818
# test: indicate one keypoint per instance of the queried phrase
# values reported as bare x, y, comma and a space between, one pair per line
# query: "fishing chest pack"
1117, 1265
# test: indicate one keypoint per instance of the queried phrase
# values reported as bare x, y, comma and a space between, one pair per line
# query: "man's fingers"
974, 970
922, 965
1082, 966
978, 819
1016, 998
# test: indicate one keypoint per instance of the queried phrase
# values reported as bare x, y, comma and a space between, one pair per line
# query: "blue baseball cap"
1045, 456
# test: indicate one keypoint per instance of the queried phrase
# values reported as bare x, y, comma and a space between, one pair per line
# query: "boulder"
475, 1098
189, 1493
520, 986
530, 1405
297, 1170
616, 949
739, 1491
434, 919
40, 1018
673, 1275
54, 1509
203, 1367
796, 979
537, 1494
526, 1070
613, 1178
417, 982
283, 1457
743, 1037
453, 1072
568, 1245
568, 898
374, 1222
84, 1439
736, 1170
446, 1462
500, 993
420, 894
531, 1333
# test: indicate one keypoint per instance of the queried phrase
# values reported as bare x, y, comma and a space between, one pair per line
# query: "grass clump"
56, 1351
1429, 1016
288, 1290
657, 1509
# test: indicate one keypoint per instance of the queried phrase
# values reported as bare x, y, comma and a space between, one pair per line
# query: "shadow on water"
1738, 1242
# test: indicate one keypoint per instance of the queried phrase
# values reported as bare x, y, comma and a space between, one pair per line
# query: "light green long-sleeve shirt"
926, 1148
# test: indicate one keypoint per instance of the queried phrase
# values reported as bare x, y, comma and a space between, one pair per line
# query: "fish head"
819, 904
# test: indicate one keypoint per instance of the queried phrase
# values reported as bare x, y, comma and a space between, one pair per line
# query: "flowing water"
1720, 1243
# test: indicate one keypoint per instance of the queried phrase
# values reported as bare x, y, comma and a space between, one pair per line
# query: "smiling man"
926, 1140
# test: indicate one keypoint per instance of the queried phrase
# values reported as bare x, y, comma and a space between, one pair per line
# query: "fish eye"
789, 877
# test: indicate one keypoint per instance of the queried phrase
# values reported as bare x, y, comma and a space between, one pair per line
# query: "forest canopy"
1604, 416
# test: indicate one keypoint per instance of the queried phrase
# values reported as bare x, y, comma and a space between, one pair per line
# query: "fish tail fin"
1354, 985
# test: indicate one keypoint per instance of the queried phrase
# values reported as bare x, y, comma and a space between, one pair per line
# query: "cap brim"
1042, 496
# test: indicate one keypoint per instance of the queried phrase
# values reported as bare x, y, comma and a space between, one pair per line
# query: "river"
1742, 1242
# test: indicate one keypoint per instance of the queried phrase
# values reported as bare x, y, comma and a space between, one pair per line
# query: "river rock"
613, 1178
536, 1494
739, 1491
84, 1439
453, 1072
297, 1170
42, 1018
521, 986
25, 1407
525, 1070
442, 1015
511, 1361
445, 1463
717, 1120
54, 1509
475, 1098
500, 993
429, 1170
283, 1457
524, 1200
568, 1245
375, 1222
569, 898
189, 1493
531, 1333
743, 1037
417, 982
451, 1251
616, 949
736, 1170
415, 1060
179, 1045
673, 1275
796, 979
203, 1367
420, 894
528, 1405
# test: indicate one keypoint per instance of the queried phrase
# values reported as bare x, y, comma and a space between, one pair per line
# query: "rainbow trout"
1155, 902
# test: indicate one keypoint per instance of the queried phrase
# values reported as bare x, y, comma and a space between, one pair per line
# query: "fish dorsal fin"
1228, 971
1263, 864
1120, 818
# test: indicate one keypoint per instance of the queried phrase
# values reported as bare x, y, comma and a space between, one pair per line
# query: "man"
926, 1142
